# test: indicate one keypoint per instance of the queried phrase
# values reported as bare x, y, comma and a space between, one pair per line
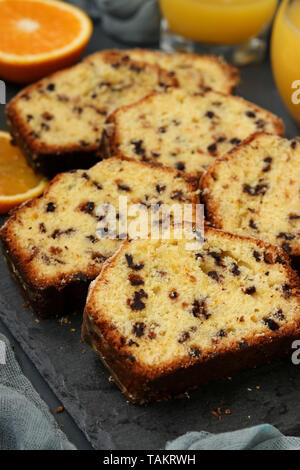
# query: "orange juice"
218, 21
285, 52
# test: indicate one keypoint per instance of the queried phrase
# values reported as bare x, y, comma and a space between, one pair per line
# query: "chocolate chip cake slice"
51, 244
58, 122
255, 191
180, 317
186, 131
193, 71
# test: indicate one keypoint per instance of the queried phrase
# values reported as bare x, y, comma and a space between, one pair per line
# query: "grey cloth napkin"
25, 420
131, 21
262, 437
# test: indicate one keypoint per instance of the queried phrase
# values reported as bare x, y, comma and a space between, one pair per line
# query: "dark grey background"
52, 356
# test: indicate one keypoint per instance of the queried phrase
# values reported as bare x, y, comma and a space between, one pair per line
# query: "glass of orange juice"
285, 54
230, 27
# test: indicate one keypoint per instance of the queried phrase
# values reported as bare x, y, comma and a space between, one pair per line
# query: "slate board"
267, 394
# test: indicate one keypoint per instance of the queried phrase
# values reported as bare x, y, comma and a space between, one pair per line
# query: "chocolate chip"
178, 195
250, 290
200, 310
222, 333
34, 135
162, 129
78, 109
184, 337
235, 270
267, 168
130, 357
84, 143
138, 329
235, 141
294, 144
51, 87
160, 188
212, 148
259, 189
131, 265
135, 280
194, 352
50, 207
285, 236
251, 114
45, 127
92, 238
123, 187
213, 275
279, 314
58, 233
286, 247
180, 166
271, 324
29, 117
260, 123
210, 114
98, 257
294, 217
138, 147
47, 116
217, 257
287, 290
252, 224
135, 68
279, 260
155, 154
137, 303
97, 185
85, 176
173, 294
87, 207
42, 228
257, 255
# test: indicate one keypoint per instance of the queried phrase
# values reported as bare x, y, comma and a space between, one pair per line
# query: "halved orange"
38, 37
18, 182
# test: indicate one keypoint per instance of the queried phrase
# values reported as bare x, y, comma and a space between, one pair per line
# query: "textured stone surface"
80, 381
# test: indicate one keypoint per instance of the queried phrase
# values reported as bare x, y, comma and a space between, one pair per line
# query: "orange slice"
18, 182
38, 37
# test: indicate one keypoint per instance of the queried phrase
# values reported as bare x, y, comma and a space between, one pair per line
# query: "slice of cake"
51, 244
193, 71
186, 131
255, 191
58, 122
188, 317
